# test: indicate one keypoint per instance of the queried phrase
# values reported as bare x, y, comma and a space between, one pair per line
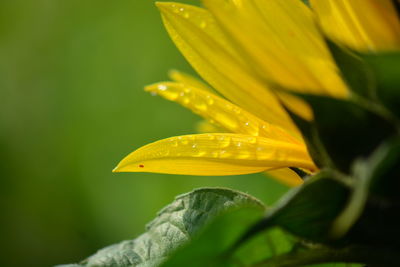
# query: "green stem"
366, 255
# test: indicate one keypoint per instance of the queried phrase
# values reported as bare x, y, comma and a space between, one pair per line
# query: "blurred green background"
72, 106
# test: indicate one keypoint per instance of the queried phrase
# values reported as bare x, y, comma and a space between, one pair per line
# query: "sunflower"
246, 51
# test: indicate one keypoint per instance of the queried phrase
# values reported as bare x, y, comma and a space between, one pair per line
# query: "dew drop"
174, 142
210, 136
209, 100
162, 87
199, 104
223, 154
252, 140
184, 141
199, 153
203, 24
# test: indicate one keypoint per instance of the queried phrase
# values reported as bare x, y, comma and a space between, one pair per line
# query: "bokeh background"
72, 106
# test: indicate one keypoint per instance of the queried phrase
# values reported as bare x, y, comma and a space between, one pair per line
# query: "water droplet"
203, 24
238, 144
210, 136
200, 153
174, 142
228, 107
252, 140
162, 87
209, 100
199, 104
194, 146
184, 141
223, 154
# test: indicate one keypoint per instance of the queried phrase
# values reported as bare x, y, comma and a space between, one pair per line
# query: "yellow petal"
215, 154
205, 126
220, 111
286, 176
296, 105
283, 43
189, 80
211, 54
360, 24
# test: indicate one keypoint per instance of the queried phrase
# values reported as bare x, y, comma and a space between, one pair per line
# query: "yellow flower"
245, 50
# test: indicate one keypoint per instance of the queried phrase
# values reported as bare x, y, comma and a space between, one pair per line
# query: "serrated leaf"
175, 224
308, 211
346, 129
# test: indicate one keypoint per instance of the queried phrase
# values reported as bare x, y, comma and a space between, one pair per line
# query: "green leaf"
308, 211
357, 73
346, 130
386, 69
176, 224
216, 245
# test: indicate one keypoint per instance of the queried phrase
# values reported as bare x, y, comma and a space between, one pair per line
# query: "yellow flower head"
247, 51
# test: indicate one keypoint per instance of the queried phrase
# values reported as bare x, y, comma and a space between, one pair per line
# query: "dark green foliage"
356, 72
378, 225
308, 211
386, 69
342, 131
